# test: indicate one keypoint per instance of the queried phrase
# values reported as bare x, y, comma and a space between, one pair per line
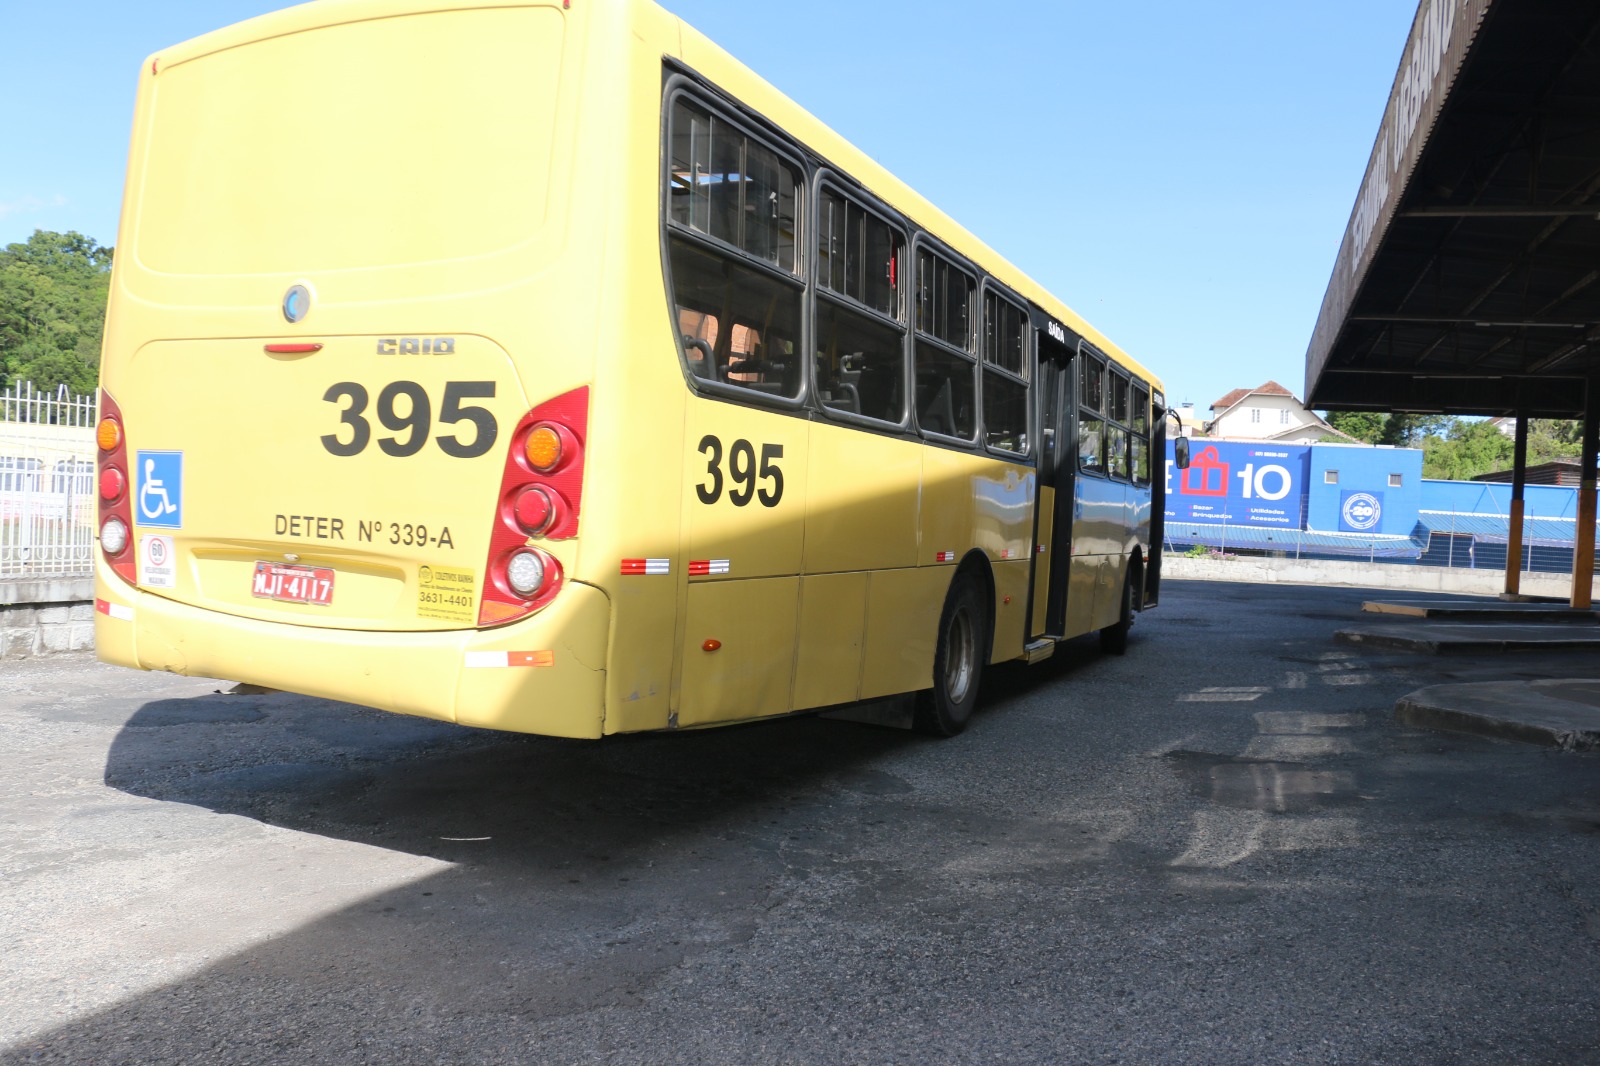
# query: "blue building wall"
1341, 472
1494, 498
1330, 488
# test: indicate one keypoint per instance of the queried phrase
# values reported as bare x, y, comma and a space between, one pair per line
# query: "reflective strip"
708, 566
1041, 549
114, 610
945, 557
646, 566
1005, 553
490, 659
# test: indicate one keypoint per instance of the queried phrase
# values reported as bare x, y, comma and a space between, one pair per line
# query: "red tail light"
116, 505
541, 493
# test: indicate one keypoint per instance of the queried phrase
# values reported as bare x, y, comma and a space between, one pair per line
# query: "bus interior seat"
706, 366
938, 415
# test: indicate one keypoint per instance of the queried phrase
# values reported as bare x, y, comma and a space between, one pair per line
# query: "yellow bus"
536, 366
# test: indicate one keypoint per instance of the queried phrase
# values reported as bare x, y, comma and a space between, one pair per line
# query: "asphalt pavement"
1219, 848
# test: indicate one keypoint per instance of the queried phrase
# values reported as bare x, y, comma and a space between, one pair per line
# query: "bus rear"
347, 376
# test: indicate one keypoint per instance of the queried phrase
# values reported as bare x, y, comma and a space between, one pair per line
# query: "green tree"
1364, 426
53, 291
1405, 430
1552, 438
1467, 450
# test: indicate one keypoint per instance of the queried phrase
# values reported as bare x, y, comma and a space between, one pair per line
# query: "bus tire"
958, 660
1114, 637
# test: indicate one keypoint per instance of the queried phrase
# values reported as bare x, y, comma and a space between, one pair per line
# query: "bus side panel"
565, 698
744, 482
633, 494
865, 518
1010, 610
1041, 573
748, 673
833, 618
949, 515
903, 608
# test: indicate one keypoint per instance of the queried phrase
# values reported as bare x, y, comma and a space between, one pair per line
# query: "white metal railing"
47, 483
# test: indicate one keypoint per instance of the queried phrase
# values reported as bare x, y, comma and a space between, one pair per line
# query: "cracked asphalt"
1219, 848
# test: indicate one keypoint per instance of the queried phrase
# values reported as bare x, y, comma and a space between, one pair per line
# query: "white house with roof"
1267, 412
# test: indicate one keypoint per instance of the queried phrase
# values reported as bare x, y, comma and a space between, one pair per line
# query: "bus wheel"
957, 661
1114, 638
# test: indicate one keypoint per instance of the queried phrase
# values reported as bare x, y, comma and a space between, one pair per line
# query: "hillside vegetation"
53, 290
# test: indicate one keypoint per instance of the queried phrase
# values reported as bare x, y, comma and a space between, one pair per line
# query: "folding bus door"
1057, 473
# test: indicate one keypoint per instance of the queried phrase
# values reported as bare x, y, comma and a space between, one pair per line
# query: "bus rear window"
319, 151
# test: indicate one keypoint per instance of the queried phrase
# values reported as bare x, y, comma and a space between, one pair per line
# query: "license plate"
293, 584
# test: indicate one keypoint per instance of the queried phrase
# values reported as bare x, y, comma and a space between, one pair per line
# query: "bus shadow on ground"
581, 875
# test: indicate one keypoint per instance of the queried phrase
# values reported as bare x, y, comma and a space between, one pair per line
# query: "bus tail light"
116, 505
541, 492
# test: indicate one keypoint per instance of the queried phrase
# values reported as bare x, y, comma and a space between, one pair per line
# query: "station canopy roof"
1468, 280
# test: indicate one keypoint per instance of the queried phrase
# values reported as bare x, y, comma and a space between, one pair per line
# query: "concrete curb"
1391, 576
1529, 713
1458, 639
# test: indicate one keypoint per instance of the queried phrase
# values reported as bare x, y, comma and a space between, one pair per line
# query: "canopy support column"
1519, 482
1583, 547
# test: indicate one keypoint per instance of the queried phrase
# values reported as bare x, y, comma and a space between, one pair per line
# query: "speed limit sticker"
156, 567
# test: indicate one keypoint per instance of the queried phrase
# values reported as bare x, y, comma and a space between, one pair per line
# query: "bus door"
1057, 475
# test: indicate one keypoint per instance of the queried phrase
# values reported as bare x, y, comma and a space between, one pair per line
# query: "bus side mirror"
1180, 452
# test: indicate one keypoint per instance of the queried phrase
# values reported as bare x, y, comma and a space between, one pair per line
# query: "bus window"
944, 295
1141, 433
859, 361
1091, 444
732, 206
731, 187
860, 342
945, 393
1092, 376
946, 370
1005, 374
1117, 456
758, 353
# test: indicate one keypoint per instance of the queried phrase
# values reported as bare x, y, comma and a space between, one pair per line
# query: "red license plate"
293, 584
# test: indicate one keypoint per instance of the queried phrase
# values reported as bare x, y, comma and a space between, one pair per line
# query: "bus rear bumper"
545, 674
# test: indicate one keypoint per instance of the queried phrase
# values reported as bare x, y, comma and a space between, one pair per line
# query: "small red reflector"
712, 644
293, 349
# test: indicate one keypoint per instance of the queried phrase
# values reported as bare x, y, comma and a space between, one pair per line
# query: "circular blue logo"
1362, 510
296, 303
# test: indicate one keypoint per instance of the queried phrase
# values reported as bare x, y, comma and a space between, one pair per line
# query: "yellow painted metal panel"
744, 489
861, 505
259, 483
251, 181
903, 608
949, 506
1041, 573
1010, 609
1108, 577
1085, 576
424, 674
749, 675
833, 615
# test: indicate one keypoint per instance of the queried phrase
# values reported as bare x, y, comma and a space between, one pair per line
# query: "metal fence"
1440, 538
47, 490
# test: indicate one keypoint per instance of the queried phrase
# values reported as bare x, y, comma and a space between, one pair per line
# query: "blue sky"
1179, 173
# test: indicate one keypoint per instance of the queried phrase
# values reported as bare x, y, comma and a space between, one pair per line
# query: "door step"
1037, 651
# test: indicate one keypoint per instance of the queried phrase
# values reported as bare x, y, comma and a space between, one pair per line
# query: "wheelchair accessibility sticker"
160, 499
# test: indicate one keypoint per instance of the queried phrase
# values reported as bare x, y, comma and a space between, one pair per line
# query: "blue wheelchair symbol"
160, 499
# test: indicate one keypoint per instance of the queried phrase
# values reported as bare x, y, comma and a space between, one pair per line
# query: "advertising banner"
1360, 512
1241, 483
